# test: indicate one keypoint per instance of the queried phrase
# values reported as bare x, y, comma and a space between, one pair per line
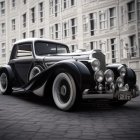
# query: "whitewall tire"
64, 91
5, 87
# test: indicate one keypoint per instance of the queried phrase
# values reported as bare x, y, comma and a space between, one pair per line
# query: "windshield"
46, 48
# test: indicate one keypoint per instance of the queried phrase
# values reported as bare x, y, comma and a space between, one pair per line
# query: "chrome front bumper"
109, 95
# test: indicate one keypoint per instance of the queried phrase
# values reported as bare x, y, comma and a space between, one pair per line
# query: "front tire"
5, 86
64, 91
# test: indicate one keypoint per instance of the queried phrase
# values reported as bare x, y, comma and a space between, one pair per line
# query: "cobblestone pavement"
31, 118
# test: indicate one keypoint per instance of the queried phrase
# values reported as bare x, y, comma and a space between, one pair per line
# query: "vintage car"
47, 68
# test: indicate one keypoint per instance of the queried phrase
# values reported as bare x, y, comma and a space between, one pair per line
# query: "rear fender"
8, 69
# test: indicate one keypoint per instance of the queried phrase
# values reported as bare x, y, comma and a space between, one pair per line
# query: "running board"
17, 90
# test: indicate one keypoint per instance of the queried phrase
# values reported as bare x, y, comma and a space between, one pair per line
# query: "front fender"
78, 70
130, 77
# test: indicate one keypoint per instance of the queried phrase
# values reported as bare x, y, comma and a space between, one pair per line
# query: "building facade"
110, 25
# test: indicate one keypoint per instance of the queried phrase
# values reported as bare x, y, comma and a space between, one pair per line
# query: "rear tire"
64, 91
5, 85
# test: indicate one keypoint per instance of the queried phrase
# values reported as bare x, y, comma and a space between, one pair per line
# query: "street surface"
25, 117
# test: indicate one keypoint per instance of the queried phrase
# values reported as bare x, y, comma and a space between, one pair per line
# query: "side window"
24, 51
48, 48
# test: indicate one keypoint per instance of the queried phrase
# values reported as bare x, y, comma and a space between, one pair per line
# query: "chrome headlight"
99, 76
120, 82
95, 64
109, 76
122, 70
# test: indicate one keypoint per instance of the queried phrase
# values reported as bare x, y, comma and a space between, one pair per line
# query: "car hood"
81, 56
65, 57
60, 57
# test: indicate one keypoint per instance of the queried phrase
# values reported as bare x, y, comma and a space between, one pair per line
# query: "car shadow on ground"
85, 106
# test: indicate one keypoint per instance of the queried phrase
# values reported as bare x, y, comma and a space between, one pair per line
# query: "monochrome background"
110, 25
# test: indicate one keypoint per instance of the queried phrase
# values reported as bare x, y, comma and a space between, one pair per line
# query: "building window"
85, 24
3, 50
103, 20
72, 2
24, 1
93, 24
32, 33
33, 15
138, 7
51, 7
3, 28
56, 7
24, 20
2, 7
41, 33
73, 48
102, 46
24, 35
56, 31
13, 3
13, 24
133, 48
131, 10
65, 29
64, 4
52, 32
68, 3
13, 40
12, 43
73, 28
93, 45
112, 16
41, 11
113, 49
122, 15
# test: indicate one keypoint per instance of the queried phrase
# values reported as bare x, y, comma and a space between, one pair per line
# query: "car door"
22, 62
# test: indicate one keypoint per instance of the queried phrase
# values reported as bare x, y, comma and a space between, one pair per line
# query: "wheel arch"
9, 70
78, 71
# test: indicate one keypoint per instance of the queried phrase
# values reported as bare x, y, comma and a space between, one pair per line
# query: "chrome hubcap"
3, 82
63, 90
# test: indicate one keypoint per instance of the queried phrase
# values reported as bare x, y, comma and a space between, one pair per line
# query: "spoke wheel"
64, 91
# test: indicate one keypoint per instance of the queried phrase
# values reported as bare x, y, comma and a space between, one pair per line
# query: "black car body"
46, 68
